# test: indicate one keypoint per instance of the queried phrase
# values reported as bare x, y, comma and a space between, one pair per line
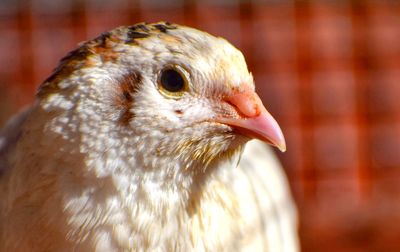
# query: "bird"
149, 137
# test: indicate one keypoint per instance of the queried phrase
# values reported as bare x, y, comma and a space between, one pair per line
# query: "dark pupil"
172, 81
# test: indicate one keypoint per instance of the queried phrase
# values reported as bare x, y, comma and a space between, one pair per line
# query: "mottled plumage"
135, 143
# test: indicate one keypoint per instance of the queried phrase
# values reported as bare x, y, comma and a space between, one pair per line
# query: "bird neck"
124, 180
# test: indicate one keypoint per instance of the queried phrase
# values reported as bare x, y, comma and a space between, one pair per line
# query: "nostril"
246, 103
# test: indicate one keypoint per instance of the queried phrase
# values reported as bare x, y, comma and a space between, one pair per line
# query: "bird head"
171, 90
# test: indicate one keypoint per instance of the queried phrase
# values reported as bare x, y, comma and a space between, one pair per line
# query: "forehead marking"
134, 33
103, 49
164, 27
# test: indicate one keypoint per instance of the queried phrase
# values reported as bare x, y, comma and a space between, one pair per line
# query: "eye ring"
173, 81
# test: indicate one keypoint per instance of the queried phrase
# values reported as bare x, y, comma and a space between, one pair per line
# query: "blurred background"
329, 71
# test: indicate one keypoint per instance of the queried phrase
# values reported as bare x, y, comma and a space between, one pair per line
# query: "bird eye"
172, 82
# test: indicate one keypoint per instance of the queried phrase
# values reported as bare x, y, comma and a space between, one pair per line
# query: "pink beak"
255, 121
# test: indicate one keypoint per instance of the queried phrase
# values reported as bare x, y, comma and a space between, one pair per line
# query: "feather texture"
104, 160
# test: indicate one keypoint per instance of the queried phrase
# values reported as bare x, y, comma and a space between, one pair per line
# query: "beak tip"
277, 138
281, 143
282, 147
